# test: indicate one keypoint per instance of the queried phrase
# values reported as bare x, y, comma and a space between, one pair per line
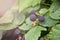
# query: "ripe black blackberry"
41, 19
33, 17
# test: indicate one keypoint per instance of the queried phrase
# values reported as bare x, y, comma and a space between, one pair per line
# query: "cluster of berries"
33, 17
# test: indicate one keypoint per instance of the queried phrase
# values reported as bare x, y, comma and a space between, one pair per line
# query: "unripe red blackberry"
33, 17
41, 19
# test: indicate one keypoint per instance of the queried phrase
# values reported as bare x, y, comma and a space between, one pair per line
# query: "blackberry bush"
26, 16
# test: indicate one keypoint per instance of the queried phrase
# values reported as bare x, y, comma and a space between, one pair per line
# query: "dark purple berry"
17, 31
32, 17
33, 12
23, 38
41, 19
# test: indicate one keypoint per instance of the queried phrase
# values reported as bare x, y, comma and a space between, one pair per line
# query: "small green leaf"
34, 33
25, 27
56, 14
28, 21
43, 11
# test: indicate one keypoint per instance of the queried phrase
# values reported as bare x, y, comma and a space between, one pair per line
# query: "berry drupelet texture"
41, 19
33, 17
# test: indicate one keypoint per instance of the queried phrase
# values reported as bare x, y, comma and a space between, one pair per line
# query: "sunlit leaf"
34, 33
26, 3
43, 11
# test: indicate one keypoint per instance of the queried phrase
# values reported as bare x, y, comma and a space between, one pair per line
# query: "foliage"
34, 30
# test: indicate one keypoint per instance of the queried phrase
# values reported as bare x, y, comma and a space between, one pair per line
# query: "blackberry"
17, 31
32, 17
33, 12
41, 19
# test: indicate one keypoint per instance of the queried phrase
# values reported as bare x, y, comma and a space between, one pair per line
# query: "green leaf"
55, 6
56, 14
28, 21
19, 18
28, 10
35, 2
7, 27
52, 0
43, 11
23, 4
48, 21
34, 33
57, 27
26, 3
25, 27
55, 33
